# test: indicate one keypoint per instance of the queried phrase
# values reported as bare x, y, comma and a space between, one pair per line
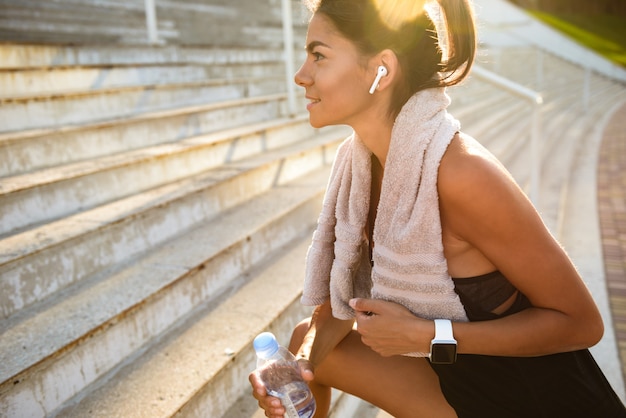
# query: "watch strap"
443, 330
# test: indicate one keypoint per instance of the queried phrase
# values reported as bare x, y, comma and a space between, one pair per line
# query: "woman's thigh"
403, 386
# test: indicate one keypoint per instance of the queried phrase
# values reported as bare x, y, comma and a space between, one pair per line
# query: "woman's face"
336, 83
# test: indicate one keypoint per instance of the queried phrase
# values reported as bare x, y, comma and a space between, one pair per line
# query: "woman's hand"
306, 369
390, 329
271, 405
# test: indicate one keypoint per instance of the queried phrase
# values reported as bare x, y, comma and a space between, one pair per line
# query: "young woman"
425, 246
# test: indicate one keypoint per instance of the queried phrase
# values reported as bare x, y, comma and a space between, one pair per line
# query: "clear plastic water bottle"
279, 371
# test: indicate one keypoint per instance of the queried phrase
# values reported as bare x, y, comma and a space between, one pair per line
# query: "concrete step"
18, 56
36, 149
49, 194
187, 294
19, 83
105, 104
118, 231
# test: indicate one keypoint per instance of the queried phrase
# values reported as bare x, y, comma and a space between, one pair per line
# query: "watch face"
443, 353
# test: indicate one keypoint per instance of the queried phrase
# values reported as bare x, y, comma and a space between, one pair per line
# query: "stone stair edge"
69, 94
16, 136
116, 105
20, 55
130, 65
66, 67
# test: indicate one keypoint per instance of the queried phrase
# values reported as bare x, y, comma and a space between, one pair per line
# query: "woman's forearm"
324, 333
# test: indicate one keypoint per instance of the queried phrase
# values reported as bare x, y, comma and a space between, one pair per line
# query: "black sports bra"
480, 295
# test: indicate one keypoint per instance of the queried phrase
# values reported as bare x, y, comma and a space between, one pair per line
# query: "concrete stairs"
156, 203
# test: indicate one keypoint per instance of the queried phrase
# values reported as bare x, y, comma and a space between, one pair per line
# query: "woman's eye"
317, 56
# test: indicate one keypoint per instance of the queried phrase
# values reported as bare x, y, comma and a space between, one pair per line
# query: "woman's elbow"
597, 332
593, 330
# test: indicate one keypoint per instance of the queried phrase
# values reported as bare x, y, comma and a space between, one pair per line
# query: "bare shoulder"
468, 168
479, 201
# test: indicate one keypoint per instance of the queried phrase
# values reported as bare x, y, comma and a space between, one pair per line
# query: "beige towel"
409, 265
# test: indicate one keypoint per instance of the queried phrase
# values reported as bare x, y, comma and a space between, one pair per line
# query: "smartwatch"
443, 346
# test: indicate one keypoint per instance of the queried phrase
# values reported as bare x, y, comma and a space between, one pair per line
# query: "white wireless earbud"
382, 71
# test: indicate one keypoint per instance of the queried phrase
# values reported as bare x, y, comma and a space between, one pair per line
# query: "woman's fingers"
271, 405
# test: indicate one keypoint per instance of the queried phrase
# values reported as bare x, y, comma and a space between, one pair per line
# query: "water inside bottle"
286, 383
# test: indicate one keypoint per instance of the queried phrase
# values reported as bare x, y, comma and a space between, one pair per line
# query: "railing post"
539, 70
289, 56
535, 151
151, 22
586, 87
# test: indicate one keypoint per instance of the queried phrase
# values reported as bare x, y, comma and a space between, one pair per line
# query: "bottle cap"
265, 345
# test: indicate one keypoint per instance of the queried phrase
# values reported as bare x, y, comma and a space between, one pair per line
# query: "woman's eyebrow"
312, 45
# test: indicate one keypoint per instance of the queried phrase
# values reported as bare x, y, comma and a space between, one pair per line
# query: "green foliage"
605, 34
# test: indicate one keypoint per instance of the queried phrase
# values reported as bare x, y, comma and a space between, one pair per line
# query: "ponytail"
459, 21
413, 37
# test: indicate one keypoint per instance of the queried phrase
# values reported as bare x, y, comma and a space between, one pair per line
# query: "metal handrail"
536, 100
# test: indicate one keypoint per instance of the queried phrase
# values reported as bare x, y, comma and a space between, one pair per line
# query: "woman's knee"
298, 333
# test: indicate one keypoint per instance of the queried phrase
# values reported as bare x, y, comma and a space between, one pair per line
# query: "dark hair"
413, 38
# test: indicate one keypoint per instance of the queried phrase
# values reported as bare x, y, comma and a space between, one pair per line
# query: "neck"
376, 136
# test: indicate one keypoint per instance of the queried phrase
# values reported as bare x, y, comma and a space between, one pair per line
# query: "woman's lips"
312, 103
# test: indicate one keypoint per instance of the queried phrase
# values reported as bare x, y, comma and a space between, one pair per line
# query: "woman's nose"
302, 78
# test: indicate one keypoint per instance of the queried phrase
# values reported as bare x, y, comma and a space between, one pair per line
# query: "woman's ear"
385, 68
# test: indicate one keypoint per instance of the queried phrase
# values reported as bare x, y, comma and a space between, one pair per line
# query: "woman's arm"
324, 333
482, 206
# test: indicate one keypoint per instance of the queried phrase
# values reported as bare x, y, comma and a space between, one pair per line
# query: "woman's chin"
316, 124
320, 123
